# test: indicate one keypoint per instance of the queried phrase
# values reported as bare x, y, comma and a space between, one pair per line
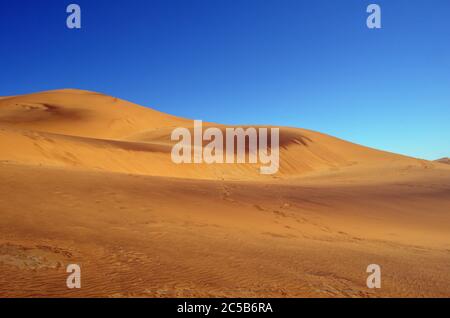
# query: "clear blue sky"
311, 64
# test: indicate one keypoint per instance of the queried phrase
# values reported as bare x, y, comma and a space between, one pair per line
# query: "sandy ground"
87, 179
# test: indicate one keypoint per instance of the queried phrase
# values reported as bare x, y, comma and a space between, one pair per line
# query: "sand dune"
80, 129
87, 179
444, 160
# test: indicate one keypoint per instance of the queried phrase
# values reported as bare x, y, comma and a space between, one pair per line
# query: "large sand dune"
87, 178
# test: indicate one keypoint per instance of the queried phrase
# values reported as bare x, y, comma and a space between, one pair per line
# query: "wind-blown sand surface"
87, 179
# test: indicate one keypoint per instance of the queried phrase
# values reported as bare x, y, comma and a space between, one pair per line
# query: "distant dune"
88, 179
444, 160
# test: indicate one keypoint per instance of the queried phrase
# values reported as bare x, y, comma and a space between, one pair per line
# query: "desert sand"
87, 179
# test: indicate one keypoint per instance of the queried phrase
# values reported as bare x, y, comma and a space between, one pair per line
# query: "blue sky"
310, 64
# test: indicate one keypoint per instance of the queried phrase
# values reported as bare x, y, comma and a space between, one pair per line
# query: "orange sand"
87, 179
